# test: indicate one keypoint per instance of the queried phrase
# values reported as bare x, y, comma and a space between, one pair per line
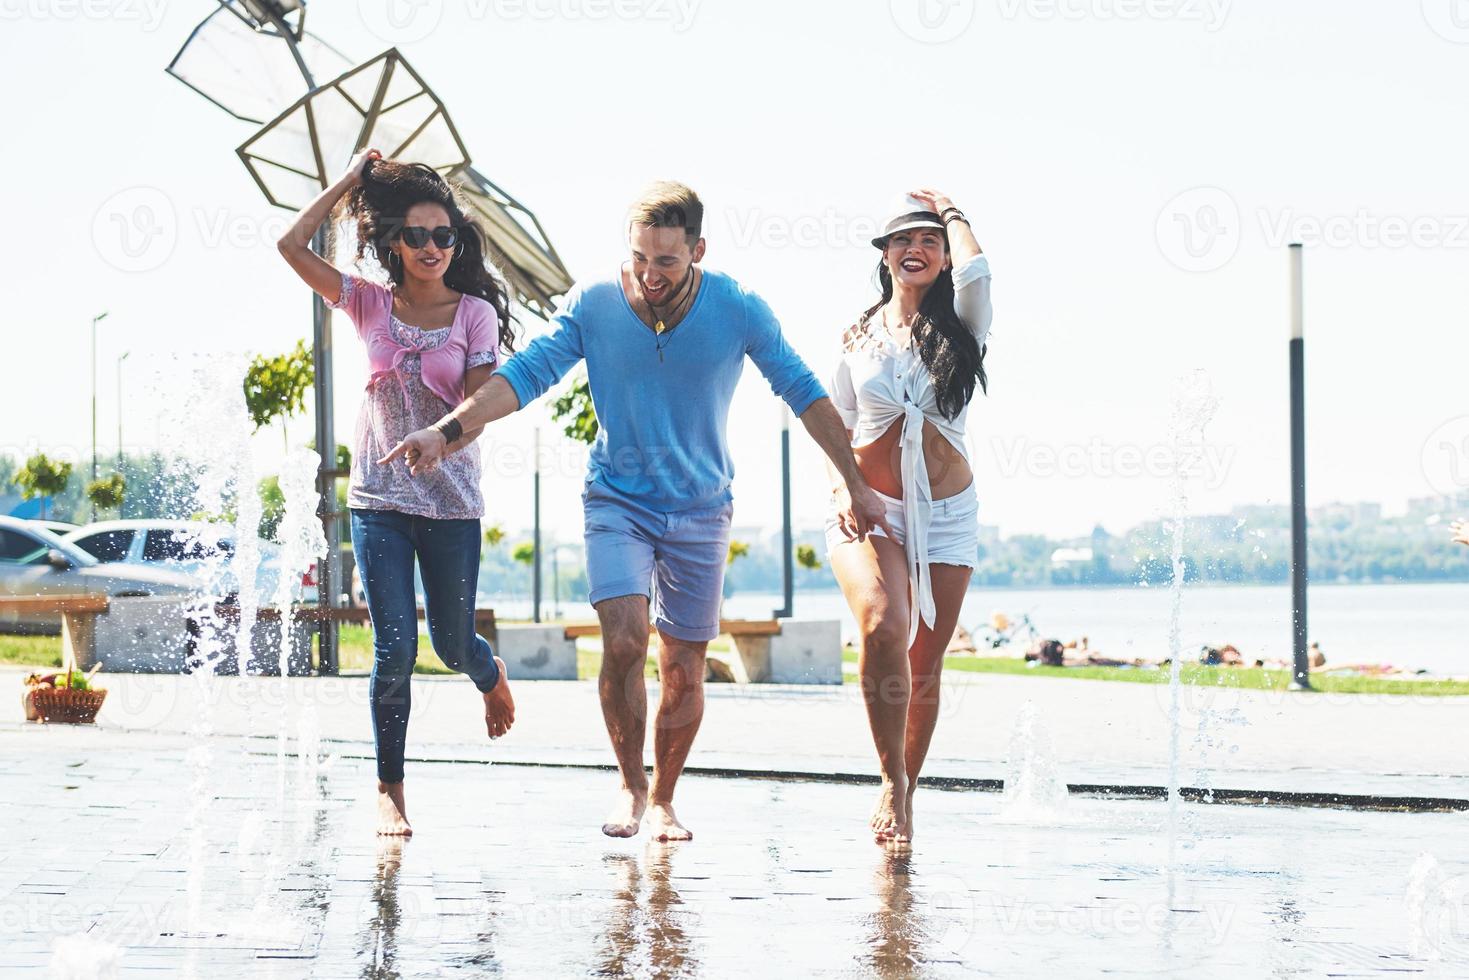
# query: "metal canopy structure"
252, 62
382, 103
518, 244
255, 60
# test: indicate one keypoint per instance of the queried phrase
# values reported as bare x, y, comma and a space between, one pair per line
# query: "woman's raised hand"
359, 164
936, 200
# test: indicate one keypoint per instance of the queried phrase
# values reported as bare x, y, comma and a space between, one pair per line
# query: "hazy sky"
1133, 168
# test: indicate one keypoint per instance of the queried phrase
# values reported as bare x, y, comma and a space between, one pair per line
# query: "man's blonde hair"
669, 204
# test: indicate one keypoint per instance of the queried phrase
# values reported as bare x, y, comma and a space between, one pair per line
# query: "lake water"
1417, 626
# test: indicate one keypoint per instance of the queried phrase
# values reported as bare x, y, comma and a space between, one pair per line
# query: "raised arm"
295, 244
521, 380
971, 268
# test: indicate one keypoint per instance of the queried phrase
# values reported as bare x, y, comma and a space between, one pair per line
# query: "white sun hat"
905, 214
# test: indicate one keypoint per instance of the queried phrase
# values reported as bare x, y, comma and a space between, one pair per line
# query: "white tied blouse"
877, 382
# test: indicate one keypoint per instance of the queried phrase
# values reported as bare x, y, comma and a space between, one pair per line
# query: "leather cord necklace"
664, 333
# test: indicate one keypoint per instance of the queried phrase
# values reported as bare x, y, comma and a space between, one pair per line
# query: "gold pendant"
659, 327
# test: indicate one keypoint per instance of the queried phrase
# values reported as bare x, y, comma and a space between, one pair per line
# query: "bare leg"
625, 704
392, 811
874, 579
680, 711
926, 657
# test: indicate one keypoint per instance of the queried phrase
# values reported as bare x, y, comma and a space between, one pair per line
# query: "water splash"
83, 957
1034, 789
1193, 406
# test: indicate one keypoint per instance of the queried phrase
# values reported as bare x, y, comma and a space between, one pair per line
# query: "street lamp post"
787, 538
121, 357
95, 320
1299, 633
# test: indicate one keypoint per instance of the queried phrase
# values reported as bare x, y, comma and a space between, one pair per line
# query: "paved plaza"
147, 855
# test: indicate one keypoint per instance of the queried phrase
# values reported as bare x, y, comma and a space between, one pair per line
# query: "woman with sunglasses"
434, 332
910, 366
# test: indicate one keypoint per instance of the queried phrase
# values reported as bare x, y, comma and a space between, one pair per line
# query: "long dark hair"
379, 205
954, 359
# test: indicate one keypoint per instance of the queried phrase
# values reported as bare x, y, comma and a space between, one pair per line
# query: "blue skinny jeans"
385, 543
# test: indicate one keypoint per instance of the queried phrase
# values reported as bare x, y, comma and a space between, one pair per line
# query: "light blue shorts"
677, 559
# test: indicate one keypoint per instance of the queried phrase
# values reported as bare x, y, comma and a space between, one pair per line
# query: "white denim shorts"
953, 536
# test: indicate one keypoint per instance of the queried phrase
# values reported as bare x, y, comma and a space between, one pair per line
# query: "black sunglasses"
417, 236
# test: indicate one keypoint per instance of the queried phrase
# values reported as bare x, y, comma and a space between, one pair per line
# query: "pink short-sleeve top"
417, 376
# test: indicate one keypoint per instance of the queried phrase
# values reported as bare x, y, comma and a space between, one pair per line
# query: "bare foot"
890, 822
906, 833
499, 705
627, 816
392, 812
663, 825
883, 811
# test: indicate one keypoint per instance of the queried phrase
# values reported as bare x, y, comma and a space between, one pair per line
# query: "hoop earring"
459, 251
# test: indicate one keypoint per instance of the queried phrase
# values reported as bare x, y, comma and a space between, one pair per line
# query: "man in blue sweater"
665, 343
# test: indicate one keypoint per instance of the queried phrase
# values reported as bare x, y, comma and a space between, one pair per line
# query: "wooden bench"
484, 619
727, 627
78, 620
754, 663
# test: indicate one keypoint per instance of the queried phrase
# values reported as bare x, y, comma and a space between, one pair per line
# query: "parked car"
59, 528
36, 562
197, 548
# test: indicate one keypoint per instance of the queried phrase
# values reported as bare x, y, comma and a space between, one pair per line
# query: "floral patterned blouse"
399, 400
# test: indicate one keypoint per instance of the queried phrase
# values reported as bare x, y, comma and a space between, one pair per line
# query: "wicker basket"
62, 705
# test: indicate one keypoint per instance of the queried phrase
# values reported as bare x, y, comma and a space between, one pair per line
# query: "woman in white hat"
909, 367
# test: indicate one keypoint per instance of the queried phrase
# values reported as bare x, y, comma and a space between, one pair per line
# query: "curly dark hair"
948, 348
379, 206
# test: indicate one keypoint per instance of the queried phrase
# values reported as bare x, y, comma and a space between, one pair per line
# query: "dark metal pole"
1300, 633
329, 577
788, 561
536, 537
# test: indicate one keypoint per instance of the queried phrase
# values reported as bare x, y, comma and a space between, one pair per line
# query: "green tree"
525, 553
575, 408
275, 387
495, 535
107, 494
41, 477
806, 557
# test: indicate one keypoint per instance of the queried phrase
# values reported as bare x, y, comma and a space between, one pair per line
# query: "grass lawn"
356, 657
1249, 678
30, 651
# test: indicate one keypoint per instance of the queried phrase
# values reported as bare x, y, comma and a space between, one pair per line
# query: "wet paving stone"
161, 863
